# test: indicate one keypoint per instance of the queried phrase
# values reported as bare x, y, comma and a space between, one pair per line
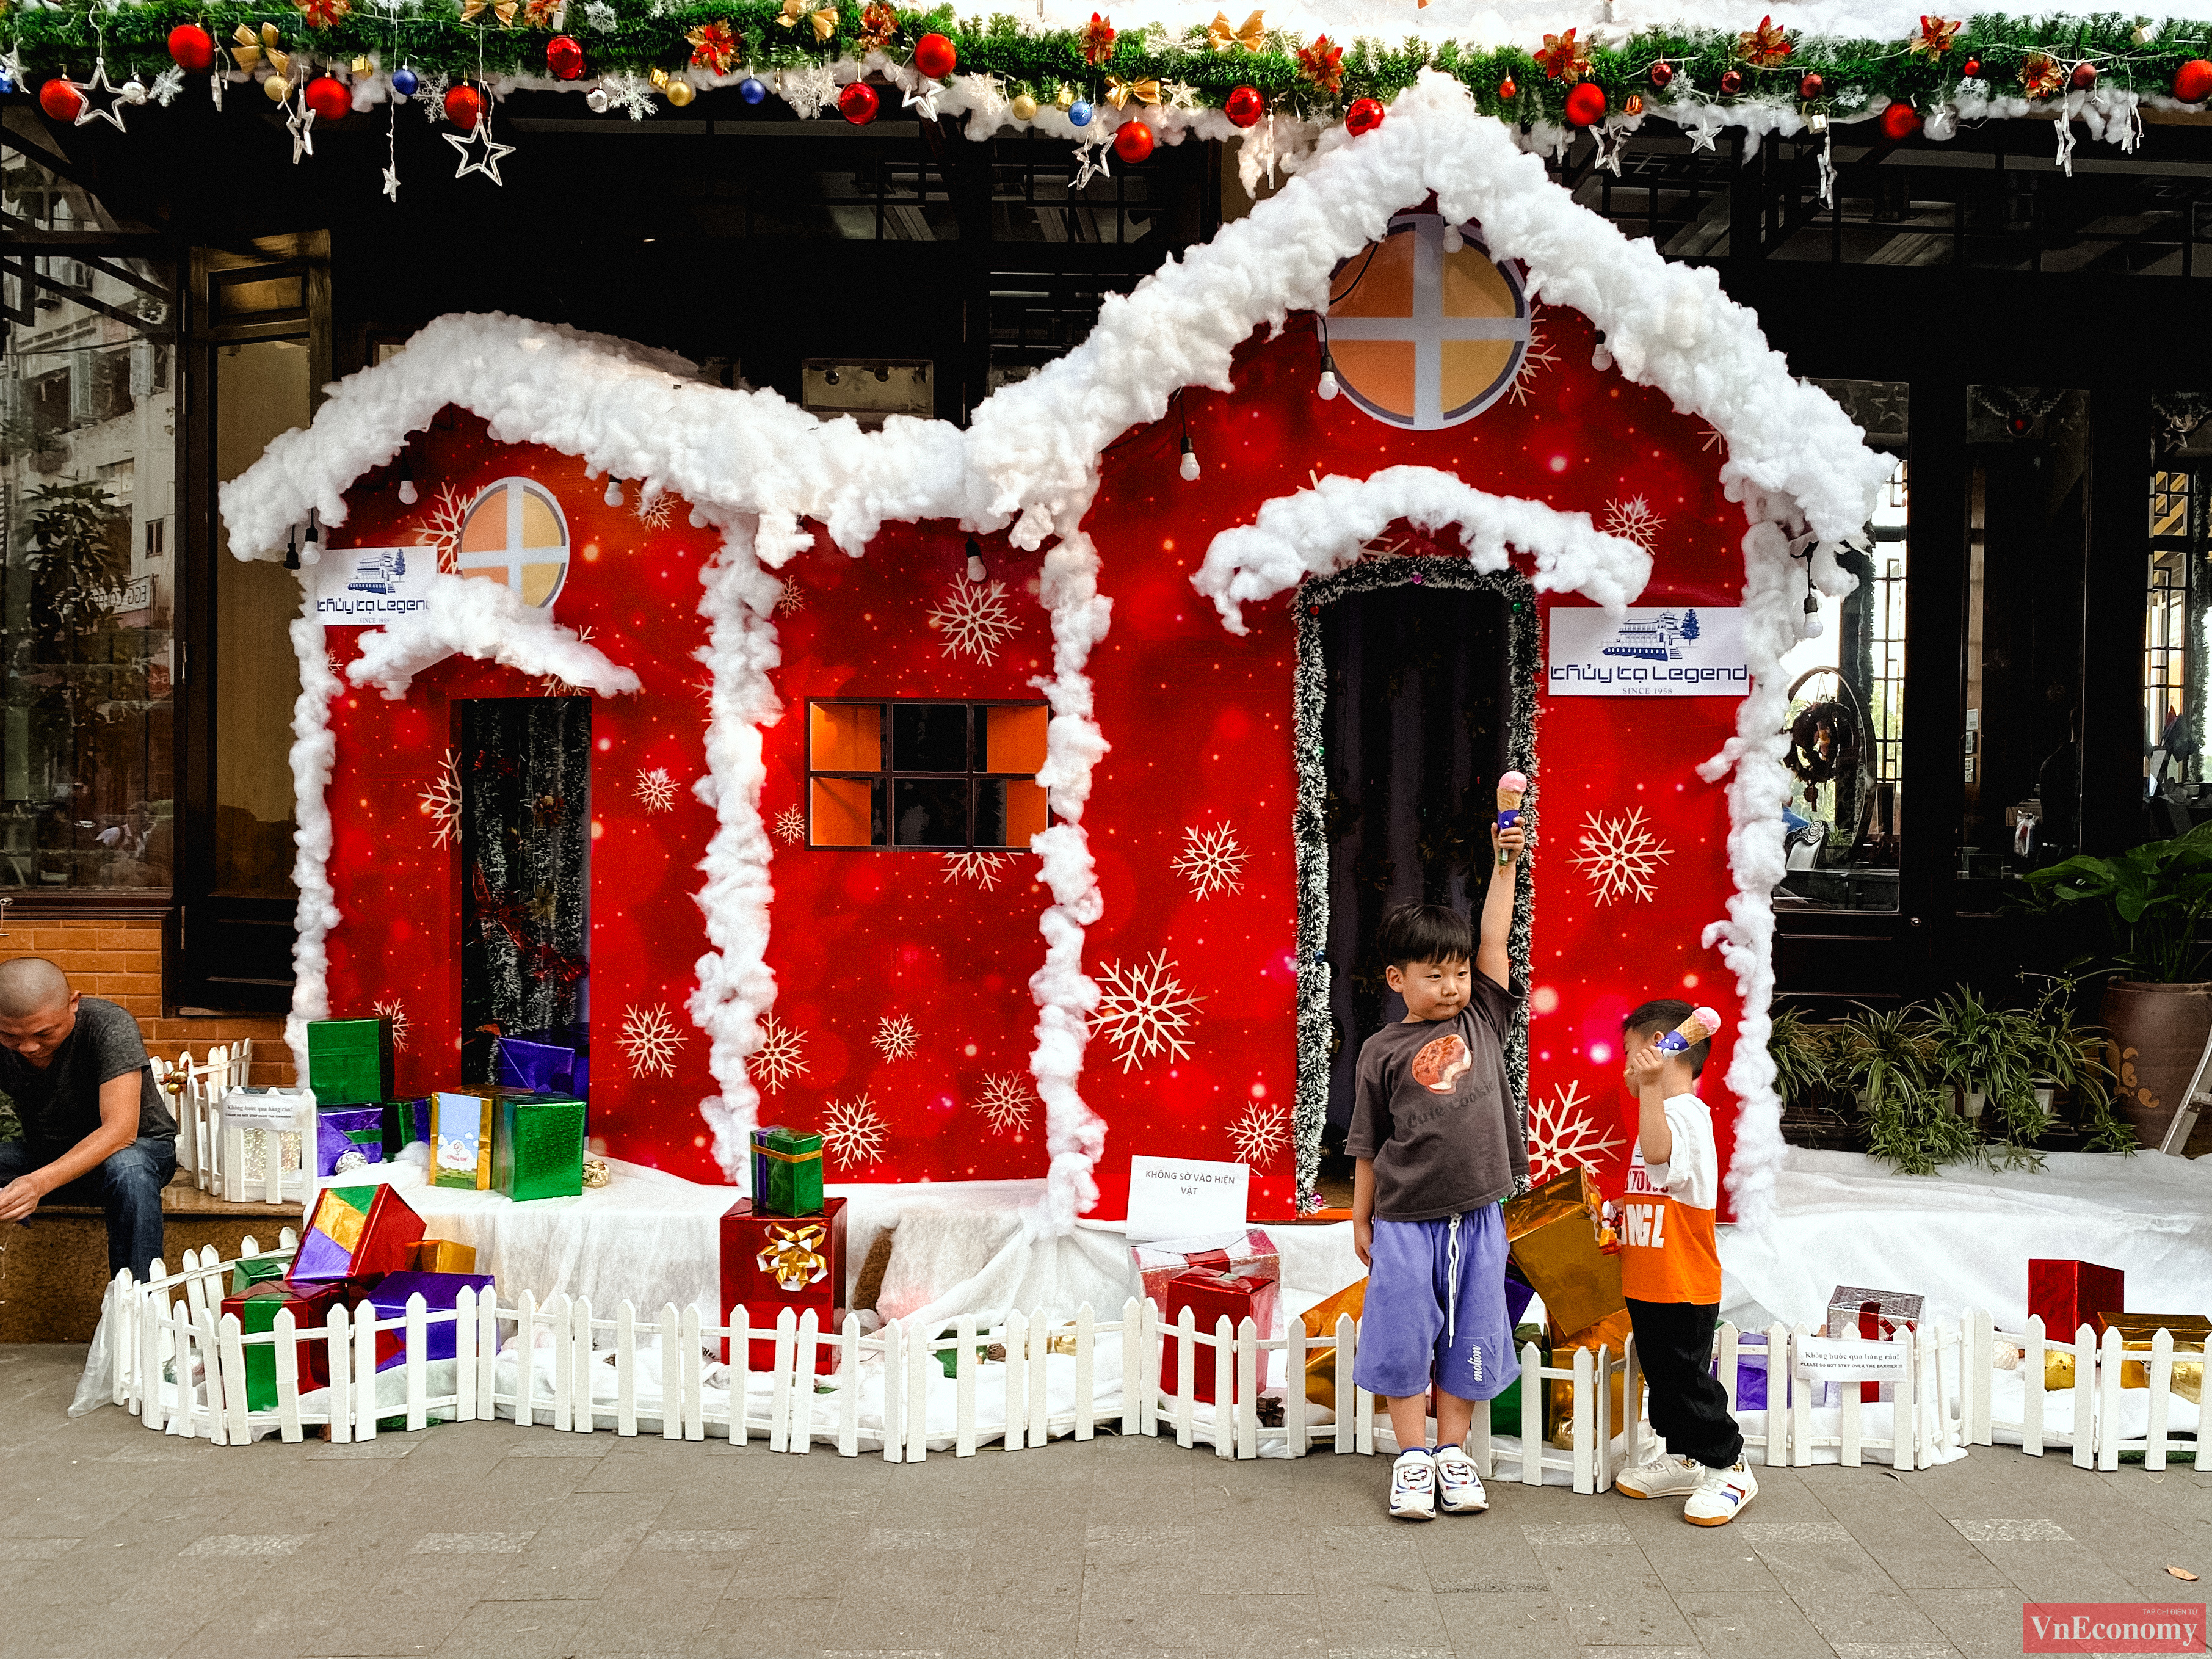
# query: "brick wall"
121, 961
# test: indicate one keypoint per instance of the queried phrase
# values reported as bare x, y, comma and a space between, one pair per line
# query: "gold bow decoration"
1251, 35
505, 10
791, 1256
247, 48
824, 19
324, 14
545, 14
1119, 93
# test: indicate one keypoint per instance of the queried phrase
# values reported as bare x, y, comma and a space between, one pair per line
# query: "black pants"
1674, 1346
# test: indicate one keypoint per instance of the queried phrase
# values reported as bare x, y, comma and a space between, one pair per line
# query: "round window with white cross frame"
516, 533
1426, 329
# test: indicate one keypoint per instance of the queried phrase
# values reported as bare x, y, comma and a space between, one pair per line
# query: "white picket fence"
2097, 1395
179, 1364
231, 1161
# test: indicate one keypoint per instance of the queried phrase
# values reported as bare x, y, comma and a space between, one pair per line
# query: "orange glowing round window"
516, 533
1425, 337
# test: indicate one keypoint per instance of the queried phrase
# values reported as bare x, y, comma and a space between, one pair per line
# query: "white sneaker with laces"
1720, 1496
1664, 1476
1459, 1484
1413, 1486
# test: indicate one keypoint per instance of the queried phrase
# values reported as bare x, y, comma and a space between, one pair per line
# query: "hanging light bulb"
1813, 626
1453, 241
315, 532
408, 494
1190, 467
1327, 388
614, 492
976, 573
292, 551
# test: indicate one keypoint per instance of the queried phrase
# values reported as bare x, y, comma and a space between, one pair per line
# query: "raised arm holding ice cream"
1510, 789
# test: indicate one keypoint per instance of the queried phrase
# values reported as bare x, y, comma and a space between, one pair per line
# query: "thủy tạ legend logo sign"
1671, 651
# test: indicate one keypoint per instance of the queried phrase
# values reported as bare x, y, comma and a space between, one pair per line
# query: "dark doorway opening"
525, 860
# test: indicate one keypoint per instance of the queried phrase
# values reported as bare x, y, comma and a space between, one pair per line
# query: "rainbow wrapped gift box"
1551, 1234
349, 1062
255, 1309
348, 1138
786, 1172
441, 1293
354, 1231
771, 1262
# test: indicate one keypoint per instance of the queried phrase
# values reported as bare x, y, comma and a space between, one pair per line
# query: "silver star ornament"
487, 161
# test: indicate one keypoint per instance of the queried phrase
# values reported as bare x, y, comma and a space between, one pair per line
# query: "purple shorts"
1435, 1309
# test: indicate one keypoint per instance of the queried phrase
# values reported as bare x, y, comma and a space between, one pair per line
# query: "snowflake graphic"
776, 1061
895, 1037
1144, 1011
974, 619
440, 527
1537, 358
807, 90
657, 790
652, 511
1211, 860
396, 1012
552, 685
1006, 1102
1261, 1136
441, 802
853, 1132
789, 596
1561, 1135
1713, 439
1633, 521
1621, 856
981, 868
652, 1039
791, 826
338, 668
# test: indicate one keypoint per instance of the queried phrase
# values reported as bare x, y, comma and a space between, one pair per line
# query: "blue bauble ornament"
1078, 113
403, 82
7, 82
751, 90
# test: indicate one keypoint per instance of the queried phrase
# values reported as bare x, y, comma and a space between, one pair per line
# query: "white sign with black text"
1672, 651
368, 586
1849, 1360
1181, 1197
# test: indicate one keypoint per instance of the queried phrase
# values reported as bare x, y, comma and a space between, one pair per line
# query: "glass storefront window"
2174, 615
87, 516
1845, 818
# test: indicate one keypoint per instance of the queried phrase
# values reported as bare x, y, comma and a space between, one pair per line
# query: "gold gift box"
1610, 1333
1320, 1320
2138, 1331
1553, 1235
442, 1255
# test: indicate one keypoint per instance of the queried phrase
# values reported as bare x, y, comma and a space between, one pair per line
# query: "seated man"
95, 1128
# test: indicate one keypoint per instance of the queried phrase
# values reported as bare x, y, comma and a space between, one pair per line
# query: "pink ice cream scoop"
1702, 1023
1511, 788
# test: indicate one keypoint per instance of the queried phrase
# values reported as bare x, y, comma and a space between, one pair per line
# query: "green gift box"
349, 1062
537, 1147
786, 1172
254, 1270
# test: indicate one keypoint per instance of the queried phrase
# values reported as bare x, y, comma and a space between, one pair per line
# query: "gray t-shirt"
1432, 1111
59, 1103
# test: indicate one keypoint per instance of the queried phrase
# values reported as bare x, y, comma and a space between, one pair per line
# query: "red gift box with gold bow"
771, 1262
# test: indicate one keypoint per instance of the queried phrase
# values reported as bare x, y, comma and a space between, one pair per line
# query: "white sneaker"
1459, 1484
1413, 1486
1720, 1496
1664, 1476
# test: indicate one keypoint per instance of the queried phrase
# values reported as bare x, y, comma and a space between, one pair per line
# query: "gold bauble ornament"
681, 92
1023, 107
277, 88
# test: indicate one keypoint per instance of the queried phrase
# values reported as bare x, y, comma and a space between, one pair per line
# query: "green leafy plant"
1889, 1061
2151, 899
2071, 1056
1804, 1060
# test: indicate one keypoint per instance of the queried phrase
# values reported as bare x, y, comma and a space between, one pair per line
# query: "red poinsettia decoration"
1323, 63
878, 22
2041, 75
1935, 38
543, 14
1097, 40
1564, 58
1764, 46
714, 47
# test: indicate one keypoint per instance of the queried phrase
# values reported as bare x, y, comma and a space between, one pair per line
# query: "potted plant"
1805, 1069
2150, 901
1977, 1049
2064, 1054
1888, 1060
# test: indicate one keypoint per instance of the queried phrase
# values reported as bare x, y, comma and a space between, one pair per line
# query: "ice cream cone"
1702, 1023
1511, 788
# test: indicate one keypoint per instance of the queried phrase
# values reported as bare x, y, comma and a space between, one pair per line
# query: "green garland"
434, 40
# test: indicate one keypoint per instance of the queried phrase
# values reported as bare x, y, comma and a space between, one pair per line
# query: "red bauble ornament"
1364, 116
564, 56
464, 108
59, 100
1899, 120
1731, 82
1971, 67
192, 47
2192, 81
1134, 142
1507, 91
857, 103
1586, 104
329, 98
935, 56
1811, 87
1662, 76
2084, 77
1245, 107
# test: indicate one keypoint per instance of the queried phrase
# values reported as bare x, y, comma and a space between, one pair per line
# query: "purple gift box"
348, 1138
439, 1291
1750, 1373
541, 1067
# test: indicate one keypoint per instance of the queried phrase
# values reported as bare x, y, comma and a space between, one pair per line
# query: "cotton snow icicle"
314, 750
487, 621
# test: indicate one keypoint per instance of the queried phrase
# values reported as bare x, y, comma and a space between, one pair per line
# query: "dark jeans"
1674, 1346
128, 1186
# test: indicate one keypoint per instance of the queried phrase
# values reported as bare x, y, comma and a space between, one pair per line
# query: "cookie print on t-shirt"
1440, 1064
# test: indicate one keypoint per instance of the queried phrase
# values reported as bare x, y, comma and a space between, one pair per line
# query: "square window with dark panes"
918, 772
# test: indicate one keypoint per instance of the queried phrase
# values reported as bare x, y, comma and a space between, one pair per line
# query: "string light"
976, 571
408, 494
614, 492
1189, 467
1327, 388
292, 549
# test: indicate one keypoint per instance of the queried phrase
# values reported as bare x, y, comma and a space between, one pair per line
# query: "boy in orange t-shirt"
1670, 1271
